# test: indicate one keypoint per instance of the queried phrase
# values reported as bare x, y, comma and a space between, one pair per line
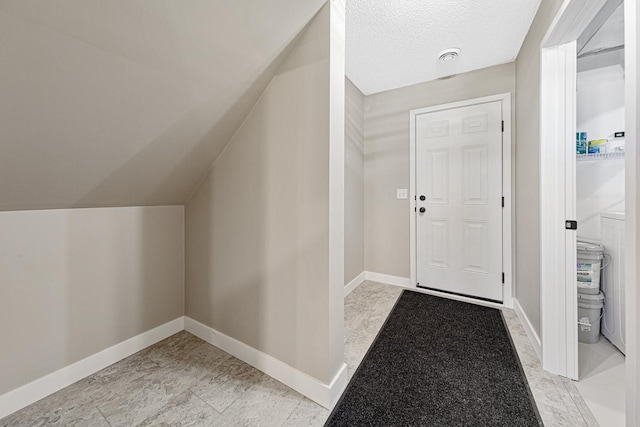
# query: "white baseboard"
528, 327
32, 392
388, 279
349, 287
324, 394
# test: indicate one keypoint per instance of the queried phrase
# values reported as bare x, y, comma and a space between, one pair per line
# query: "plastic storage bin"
590, 257
590, 311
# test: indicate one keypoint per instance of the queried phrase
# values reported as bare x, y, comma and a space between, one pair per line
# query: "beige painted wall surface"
74, 282
120, 103
257, 229
527, 165
387, 158
354, 183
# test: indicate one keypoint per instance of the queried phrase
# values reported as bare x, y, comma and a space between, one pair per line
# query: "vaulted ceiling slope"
606, 32
392, 44
123, 103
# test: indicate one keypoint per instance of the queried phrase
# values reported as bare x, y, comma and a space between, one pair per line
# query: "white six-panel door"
459, 200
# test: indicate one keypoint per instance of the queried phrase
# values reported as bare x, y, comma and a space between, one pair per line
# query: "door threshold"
460, 295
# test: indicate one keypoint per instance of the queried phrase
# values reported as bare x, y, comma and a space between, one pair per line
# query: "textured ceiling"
392, 44
120, 102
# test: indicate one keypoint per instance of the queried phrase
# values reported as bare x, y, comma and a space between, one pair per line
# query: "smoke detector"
449, 55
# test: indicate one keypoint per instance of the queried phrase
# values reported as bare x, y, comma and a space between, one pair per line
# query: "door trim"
558, 293
571, 19
557, 203
507, 215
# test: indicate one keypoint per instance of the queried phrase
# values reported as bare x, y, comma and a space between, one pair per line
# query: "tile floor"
602, 381
184, 381
557, 398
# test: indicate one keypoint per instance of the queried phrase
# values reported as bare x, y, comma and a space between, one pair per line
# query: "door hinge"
503, 202
503, 126
503, 278
571, 225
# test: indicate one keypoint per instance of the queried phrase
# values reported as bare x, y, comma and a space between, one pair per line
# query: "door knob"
423, 198
422, 210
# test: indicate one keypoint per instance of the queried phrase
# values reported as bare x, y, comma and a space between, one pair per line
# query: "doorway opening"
600, 212
583, 192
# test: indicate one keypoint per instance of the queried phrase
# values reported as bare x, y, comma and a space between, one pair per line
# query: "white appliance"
613, 287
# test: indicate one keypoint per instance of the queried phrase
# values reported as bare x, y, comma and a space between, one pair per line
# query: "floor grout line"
580, 411
103, 416
568, 399
287, 419
205, 402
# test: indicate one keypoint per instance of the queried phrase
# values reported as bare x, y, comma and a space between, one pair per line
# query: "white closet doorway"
558, 163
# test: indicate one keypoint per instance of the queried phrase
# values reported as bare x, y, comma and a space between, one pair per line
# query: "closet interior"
600, 205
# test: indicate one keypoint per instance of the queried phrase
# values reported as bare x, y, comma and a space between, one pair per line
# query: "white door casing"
558, 345
632, 188
558, 292
557, 205
459, 173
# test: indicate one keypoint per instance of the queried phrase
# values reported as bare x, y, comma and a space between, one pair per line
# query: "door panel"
475, 247
438, 252
459, 171
437, 175
475, 175
473, 124
438, 129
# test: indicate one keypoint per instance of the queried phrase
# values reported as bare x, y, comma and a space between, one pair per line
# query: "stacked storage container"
590, 299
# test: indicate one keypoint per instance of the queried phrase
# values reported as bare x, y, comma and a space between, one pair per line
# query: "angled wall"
127, 104
264, 230
98, 109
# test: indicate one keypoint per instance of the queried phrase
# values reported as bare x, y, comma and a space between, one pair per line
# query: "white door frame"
507, 243
557, 127
557, 204
632, 242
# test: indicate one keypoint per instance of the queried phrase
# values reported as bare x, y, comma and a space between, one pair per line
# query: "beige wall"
354, 183
121, 104
74, 282
257, 229
387, 158
527, 167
